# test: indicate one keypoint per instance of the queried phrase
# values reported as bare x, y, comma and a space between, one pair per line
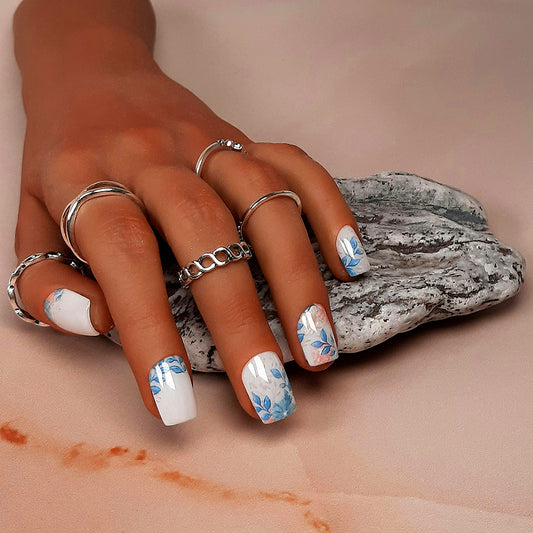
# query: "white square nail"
316, 336
172, 390
70, 311
268, 387
351, 252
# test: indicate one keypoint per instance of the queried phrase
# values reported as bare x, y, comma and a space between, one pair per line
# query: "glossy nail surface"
172, 390
70, 311
316, 336
268, 387
351, 252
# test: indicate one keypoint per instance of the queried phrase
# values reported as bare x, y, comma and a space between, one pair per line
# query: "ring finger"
281, 244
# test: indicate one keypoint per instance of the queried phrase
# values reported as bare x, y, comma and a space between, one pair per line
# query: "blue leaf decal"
177, 369
317, 344
267, 403
323, 336
258, 409
276, 373
326, 349
300, 337
265, 417
256, 399
155, 389
299, 327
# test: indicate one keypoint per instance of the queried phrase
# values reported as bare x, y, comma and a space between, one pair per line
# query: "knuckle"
281, 150
289, 150
202, 205
68, 160
144, 144
122, 232
262, 177
298, 271
237, 316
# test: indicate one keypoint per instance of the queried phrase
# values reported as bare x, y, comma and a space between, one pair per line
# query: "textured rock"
431, 257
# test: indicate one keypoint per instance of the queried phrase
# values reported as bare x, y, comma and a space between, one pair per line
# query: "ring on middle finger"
218, 258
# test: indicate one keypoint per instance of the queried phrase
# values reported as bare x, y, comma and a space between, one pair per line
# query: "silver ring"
221, 144
262, 200
70, 213
15, 275
196, 269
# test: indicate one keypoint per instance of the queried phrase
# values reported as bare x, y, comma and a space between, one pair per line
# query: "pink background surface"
432, 431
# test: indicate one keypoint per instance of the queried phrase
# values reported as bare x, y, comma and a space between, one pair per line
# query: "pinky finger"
50, 291
324, 206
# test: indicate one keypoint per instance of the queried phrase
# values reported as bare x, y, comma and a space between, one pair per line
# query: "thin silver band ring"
15, 275
70, 213
262, 200
221, 144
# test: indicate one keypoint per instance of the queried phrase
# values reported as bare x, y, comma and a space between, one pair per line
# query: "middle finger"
193, 219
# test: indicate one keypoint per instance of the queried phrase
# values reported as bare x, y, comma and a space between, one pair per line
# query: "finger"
194, 221
281, 244
53, 292
324, 206
115, 238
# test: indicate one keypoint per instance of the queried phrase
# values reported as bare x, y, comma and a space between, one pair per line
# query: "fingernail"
268, 387
351, 252
172, 390
316, 336
70, 311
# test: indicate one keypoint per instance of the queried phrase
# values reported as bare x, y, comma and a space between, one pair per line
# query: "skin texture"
99, 108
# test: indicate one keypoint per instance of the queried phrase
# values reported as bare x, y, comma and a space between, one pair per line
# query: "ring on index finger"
96, 190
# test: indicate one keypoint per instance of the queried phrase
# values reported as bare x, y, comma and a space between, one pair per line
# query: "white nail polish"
351, 252
316, 336
268, 387
172, 390
70, 311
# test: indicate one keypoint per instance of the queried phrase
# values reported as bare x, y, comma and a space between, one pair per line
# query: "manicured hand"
99, 108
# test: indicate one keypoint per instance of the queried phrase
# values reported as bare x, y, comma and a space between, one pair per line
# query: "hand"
119, 117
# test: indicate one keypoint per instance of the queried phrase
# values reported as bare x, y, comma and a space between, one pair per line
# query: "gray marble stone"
431, 255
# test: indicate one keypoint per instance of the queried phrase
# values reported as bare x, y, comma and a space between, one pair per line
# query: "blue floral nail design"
268, 387
350, 262
326, 345
157, 377
269, 411
316, 336
351, 252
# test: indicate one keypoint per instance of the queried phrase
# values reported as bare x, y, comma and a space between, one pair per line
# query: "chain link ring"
196, 269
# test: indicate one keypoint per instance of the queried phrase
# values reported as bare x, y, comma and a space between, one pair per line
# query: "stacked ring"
70, 213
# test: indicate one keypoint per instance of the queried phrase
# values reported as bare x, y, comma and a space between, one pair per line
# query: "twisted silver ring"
70, 213
15, 275
262, 200
221, 144
218, 258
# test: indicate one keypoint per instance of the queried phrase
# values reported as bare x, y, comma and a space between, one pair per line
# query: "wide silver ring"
221, 144
15, 275
218, 258
96, 190
262, 200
